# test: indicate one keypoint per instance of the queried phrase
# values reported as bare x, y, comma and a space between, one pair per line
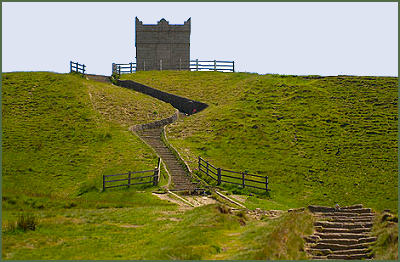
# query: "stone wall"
183, 104
156, 124
162, 46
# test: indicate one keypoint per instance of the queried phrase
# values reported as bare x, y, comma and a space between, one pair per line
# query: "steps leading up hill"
180, 178
151, 134
342, 233
99, 78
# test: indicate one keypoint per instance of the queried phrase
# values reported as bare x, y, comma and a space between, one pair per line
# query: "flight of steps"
341, 233
152, 136
99, 78
180, 178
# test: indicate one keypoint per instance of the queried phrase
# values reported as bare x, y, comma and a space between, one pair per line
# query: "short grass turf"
56, 138
57, 144
321, 140
75, 128
61, 133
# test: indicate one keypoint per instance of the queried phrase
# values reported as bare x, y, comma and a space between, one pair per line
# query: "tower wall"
162, 46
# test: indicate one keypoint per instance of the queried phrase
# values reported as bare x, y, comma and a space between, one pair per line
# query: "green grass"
58, 142
61, 133
125, 107
386, 229
269, 239
141, 228
55, 141
320, 140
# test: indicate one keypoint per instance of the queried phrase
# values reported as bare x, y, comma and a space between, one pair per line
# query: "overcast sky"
283, 38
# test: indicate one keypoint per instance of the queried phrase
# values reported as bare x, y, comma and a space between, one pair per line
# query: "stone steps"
180, 179
343, 214
344, 241
350, 257
335, 247
351, 220
99, 78
342, 230
341, 233
352, 251
327, 224
320, 209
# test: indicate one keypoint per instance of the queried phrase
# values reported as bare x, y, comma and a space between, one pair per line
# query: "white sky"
284, 38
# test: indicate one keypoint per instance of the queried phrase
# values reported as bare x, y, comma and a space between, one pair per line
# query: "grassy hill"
321, 140
61, 133
57, 136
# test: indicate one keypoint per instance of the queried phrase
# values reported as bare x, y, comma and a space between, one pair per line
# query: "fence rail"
76, 67
154, 178
123, 68
217, 174
214, 65
195, 65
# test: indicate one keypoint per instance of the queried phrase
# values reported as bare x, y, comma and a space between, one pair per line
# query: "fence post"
70, 66
266, 184
104, 183
129, 179
144, 65
155, 177
243, 174
180, 63
215, 65
233, 66
130, 64
219, 176
119, 70
159, 169
160, 64
199, 163
83, 69
197, 64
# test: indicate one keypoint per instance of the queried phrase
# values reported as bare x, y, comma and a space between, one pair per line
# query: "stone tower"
162, 46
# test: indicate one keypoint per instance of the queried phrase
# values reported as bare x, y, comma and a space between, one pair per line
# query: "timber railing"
123, 68
237, 178
131, 180
76, 67
223, 66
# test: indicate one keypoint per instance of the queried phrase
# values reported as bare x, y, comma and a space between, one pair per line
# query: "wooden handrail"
243, 175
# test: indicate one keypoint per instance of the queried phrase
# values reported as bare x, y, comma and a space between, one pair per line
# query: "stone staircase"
151, 134
180, 178
99, 78
342, 233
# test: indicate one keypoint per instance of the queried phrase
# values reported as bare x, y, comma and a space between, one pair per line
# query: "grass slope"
54, 140
58, 142
60, 134
320, 140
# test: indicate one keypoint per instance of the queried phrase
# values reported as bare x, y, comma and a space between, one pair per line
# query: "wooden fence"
219, 175
76, 67
222, 66
154, 178
123, 68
